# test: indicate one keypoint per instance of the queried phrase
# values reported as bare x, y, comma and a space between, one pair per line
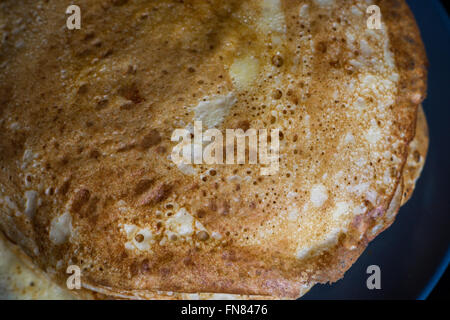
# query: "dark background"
446, 5
442, 290
413, 253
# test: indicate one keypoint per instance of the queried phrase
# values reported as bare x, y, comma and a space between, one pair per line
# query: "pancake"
417, 153
86, 119
19, 279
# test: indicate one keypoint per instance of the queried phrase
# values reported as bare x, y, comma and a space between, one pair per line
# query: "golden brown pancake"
19, 279
86, 118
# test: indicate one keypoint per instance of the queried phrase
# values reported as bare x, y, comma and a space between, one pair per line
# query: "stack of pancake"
87, 115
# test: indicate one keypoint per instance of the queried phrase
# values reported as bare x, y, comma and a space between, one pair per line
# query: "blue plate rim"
440, 270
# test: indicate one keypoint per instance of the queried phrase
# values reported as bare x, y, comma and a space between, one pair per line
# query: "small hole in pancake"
173, 237
139, 238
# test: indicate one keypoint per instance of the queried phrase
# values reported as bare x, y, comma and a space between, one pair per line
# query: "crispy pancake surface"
19, 279
86, 118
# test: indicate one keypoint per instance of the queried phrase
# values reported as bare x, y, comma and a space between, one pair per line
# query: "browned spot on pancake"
322, 47
142, 186
150, 139
64, 187
243, 124
131, 92
80, 198
277, 61
224, 207
202, 236
126, 147
201, 213
157, 194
